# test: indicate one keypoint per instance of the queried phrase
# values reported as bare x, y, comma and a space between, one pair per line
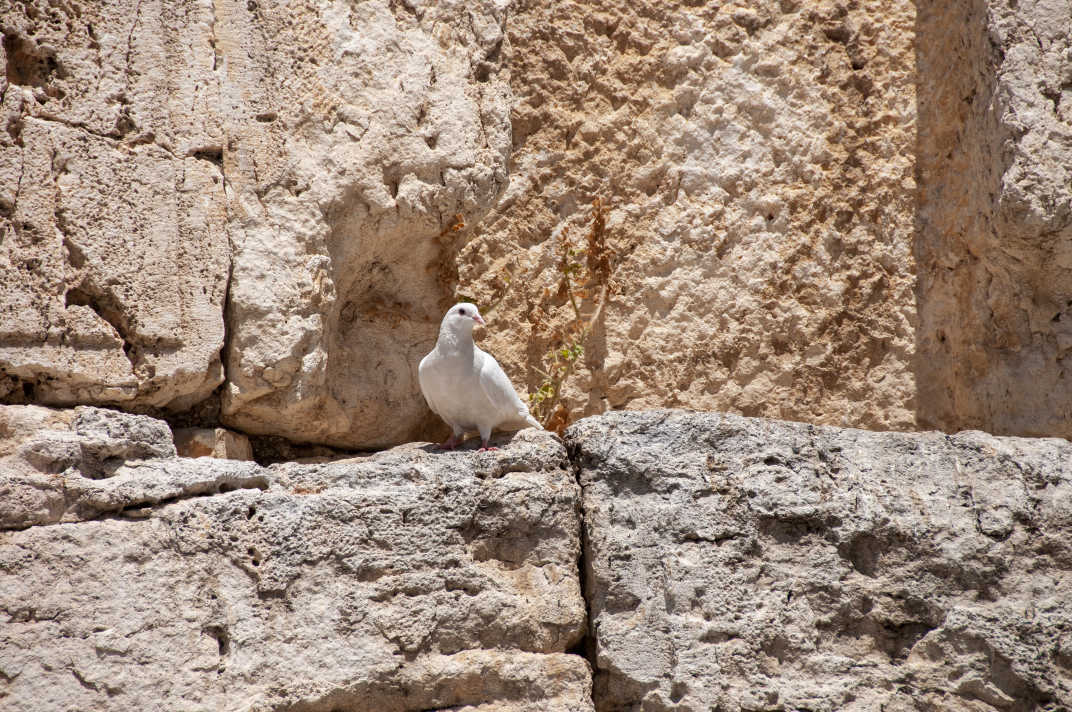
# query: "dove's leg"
485, 434
452, 442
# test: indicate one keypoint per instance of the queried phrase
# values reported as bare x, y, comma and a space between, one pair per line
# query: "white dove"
467, 387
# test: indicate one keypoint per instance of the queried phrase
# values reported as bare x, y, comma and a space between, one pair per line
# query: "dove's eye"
462, 312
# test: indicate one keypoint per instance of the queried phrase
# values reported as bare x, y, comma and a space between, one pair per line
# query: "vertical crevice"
586, 646
130, 39
228, 334
223, 645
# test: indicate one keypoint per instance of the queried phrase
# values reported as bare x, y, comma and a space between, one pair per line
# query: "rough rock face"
113, 243
744, 564
303, 164
994, 245
757, 162
729, 563
130, 578
273, 188
363, 129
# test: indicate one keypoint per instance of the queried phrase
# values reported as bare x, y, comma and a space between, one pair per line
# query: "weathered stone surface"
212, 442
757, 161
405, 580
113, 244
994, 244
73, 465
388, 120
303, 163
746, 564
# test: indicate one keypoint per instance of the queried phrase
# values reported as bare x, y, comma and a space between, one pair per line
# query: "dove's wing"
501, 393
425, 378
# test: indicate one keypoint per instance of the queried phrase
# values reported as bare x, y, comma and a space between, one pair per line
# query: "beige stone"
757, 162
212, 442
298, 169
995, 216
113, 244
389, 120
406, 580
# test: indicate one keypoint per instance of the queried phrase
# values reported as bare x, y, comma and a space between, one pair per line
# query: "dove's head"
462, 318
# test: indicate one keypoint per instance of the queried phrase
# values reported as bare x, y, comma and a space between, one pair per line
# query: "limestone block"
381, 122
404, 580
757, 163
745, 564
113, 245
303, 163
995, 216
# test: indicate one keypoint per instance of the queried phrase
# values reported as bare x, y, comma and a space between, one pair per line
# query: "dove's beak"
479, 319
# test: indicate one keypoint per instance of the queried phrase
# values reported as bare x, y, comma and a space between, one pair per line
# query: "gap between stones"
586, 646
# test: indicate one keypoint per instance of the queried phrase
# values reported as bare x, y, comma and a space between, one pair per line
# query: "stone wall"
130, 578
245, 213
256, 192
743, 564
115, 250
725, 562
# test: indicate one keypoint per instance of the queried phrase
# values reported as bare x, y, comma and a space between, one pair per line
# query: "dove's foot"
484, 447
448, 444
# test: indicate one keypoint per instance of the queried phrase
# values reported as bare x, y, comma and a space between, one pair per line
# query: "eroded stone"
757, 163
995, 216
743, 564
405, 580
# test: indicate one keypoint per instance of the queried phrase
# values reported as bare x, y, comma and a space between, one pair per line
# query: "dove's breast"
451, 384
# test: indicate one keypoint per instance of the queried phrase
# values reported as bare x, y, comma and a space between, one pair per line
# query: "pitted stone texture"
994, 244
757, 160
86, 438
303, 163
114, 247
74, 465
747, 564
114, 261
406, 580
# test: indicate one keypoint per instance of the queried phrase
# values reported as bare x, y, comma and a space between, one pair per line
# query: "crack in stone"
130, 40
212, 41
18, 185
141, 140
136, 509
586, 646
228, 334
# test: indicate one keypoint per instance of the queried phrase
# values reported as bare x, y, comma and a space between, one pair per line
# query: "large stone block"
994, 241
387, 121
405, 580
113, 239
757, 161
746, 564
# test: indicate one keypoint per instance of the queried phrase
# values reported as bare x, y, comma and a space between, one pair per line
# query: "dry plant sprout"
584, 282
584, 270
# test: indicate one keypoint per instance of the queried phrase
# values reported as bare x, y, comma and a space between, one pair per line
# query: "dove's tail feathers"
533, 422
